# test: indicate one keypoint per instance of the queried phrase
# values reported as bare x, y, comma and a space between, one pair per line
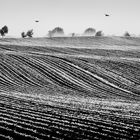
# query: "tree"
73, 34
23, 35
30, 33
89, 31
50, 34
99, 33
4, 30
57, 31
126, 34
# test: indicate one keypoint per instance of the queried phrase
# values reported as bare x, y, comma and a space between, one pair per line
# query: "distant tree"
4, 30
30, 33
57, 31
23, 35
126, 34
89, 31
99, 33
49, 34
73, 34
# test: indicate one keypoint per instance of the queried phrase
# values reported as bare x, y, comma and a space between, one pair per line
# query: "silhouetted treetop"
99, 33
23, 35
57, 31
4, 30
89, 31
126, 34
30, 33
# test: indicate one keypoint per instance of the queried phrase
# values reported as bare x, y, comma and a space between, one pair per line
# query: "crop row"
67, 72
39, 122
22, 103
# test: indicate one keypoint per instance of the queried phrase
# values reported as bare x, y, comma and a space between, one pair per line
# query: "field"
70, 88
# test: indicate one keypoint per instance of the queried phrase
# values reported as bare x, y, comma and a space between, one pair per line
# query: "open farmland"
70, 88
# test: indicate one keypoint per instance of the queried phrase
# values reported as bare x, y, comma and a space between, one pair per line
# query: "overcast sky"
71, 15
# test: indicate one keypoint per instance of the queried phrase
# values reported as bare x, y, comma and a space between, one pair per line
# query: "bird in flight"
107, 15
36, 20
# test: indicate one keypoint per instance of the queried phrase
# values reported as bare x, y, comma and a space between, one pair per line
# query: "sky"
72, 15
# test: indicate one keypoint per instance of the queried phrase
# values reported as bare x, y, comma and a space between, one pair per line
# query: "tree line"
58, 31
